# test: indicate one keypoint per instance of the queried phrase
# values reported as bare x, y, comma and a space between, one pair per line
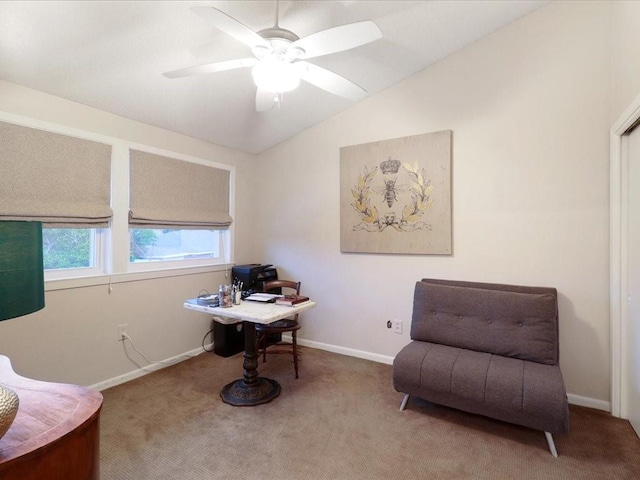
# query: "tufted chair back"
512, 321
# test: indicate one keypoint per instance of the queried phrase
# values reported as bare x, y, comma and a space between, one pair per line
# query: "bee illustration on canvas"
390, 191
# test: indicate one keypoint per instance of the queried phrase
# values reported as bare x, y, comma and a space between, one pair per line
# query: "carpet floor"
338, 421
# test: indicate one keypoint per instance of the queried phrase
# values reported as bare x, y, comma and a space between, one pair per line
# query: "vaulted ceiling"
112, 56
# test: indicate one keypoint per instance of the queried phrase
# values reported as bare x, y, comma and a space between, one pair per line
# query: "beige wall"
74, 338
625, 58
529, 110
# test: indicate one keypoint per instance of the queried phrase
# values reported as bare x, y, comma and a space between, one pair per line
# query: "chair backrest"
278, 285
271, 285
507, 320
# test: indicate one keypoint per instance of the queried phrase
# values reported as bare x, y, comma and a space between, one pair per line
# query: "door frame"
618, 250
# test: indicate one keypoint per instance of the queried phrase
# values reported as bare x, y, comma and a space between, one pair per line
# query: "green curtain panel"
21, 272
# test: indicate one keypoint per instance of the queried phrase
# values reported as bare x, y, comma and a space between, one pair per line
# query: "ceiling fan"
279, 58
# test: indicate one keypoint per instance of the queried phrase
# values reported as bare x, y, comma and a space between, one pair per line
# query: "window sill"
91, 281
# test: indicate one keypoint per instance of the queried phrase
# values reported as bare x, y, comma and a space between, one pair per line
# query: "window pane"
65, 248
157, 245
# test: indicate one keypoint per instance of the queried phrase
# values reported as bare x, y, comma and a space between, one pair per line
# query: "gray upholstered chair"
489, 349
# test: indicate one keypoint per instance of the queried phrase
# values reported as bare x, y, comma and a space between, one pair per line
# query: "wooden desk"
251, 389
55, 435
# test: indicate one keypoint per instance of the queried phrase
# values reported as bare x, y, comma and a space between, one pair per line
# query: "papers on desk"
255, 312
204, 302
263, 297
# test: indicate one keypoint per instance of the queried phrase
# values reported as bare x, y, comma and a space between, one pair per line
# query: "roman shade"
59, 180
169, 193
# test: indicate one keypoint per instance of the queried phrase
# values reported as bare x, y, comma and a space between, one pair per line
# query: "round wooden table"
55, 435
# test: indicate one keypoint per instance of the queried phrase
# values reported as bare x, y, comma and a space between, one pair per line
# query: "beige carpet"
340, 420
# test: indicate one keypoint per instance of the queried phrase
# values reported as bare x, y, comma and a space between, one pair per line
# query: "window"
72, 252
64, 182
162, 245
178, 212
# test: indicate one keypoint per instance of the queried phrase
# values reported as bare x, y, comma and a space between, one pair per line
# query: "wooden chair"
286, 325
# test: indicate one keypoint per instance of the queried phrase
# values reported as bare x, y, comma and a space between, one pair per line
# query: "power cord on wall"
204, 338
125, 336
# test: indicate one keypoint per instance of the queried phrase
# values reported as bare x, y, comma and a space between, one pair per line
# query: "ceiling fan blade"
211, 67
331, 82
230, 26
337, 39
265, 100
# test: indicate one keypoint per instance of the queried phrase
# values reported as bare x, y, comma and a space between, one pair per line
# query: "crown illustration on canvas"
390, 166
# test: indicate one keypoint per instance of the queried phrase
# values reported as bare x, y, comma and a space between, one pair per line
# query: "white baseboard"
346, 351
573, 398
374, 357
589, 402
112, 382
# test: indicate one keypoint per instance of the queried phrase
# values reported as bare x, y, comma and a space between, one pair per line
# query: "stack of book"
291, 300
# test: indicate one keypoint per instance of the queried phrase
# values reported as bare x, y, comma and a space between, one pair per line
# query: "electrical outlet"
397, 326
122, 331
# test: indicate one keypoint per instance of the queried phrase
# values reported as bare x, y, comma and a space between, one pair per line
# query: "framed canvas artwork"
395, 195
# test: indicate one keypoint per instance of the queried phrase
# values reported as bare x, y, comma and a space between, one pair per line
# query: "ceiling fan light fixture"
280, 57
276, 76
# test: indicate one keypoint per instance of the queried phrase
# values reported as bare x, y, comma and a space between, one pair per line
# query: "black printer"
253, 276
229, 339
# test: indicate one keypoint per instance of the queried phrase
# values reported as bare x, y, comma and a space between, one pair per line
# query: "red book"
292, 299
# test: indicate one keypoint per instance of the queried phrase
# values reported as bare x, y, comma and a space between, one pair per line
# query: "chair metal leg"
552, 445
405, 399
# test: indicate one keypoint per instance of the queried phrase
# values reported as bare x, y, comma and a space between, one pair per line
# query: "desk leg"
251, 389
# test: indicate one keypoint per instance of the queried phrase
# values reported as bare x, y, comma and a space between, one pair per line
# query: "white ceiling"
111, 56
